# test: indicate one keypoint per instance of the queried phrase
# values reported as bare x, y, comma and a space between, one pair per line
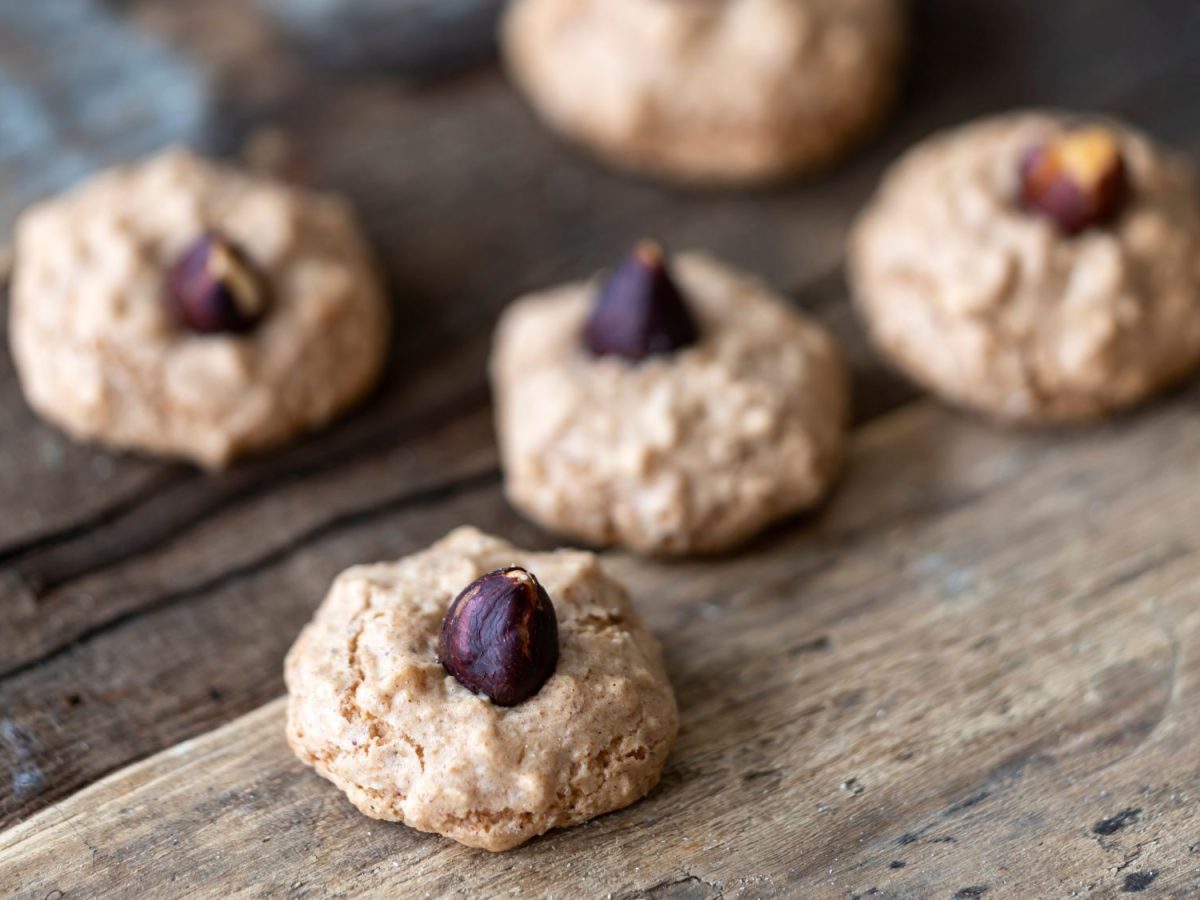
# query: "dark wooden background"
144, 603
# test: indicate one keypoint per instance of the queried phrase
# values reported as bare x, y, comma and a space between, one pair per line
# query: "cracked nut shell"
640, 312
500, 636
1078, 180
214, 288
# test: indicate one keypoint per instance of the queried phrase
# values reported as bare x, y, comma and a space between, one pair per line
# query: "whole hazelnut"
500, 636
639, 312
1078, 179
213, 287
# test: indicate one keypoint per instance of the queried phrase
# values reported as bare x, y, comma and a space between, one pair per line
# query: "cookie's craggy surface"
100, 354
373, 711
996, 309
692, 452
737, 90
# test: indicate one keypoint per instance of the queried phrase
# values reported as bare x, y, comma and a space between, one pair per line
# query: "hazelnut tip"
213, 287
1078, 180
639, 311
500, 636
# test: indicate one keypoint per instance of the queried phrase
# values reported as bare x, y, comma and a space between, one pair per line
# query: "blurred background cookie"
1038, 267
730, 92
188, 309
669, 417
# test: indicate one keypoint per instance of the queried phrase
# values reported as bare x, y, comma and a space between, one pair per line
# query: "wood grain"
977, 672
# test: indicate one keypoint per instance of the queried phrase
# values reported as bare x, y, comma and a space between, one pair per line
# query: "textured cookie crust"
373, 711
994, 309
98, 350
688, 453
733, 91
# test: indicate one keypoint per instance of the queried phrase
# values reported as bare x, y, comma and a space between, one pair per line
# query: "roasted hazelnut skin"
1078, 180
639, 311
214, 288
500, 636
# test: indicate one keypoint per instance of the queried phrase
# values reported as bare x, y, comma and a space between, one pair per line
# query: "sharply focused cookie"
481, 692
184, 308
708, 91
1036, 267
671, 417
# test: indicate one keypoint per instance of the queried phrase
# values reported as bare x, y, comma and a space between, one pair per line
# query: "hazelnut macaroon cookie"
676, 406
183, 308
481, 692
1036, 267
708, 91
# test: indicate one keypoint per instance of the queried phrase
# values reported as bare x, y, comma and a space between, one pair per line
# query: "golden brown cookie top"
724, 92
373, 709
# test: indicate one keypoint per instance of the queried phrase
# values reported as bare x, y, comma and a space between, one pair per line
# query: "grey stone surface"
80, 91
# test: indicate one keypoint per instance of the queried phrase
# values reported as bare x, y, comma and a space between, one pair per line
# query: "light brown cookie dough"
372, 710
100, 353
995, 308
708, 91
691, 452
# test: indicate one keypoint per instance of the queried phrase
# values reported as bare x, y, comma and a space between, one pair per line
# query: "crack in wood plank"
219, 493
106, 515
422, 497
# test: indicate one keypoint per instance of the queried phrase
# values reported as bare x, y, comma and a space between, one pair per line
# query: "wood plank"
977, 670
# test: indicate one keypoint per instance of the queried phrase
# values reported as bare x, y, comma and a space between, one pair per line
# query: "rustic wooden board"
977, 673
146, 603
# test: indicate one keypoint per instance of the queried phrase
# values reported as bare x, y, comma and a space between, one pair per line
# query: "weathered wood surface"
977, 673
146, 603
